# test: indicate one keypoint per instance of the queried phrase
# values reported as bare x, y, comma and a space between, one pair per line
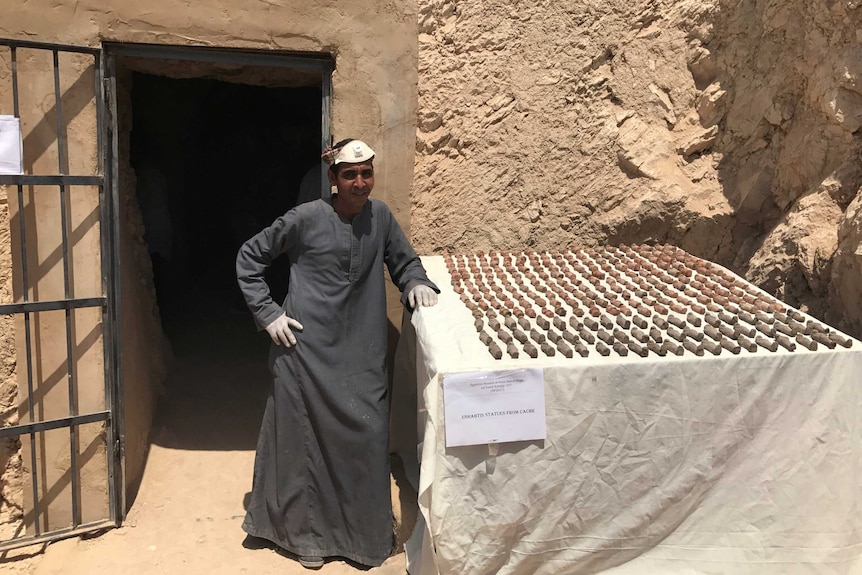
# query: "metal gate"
68, 449
63, 220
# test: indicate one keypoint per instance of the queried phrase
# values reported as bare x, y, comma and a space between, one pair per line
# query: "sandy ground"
187, 513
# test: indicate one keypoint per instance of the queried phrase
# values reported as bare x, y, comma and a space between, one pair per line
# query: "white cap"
354, 152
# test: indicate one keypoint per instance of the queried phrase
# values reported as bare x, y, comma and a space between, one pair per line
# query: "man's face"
354, 183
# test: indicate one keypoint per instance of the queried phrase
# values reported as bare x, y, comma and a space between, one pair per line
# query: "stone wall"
727, 127
790, 137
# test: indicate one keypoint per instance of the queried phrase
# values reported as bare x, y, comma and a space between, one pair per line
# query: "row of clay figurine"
771, 324
662, 336
632, 283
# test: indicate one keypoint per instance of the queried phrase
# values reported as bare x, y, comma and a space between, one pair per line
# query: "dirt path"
187, 514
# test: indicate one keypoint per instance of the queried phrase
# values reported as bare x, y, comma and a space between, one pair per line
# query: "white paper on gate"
494, 406
11, 146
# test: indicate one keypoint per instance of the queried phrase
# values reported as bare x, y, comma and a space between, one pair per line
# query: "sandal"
311, 562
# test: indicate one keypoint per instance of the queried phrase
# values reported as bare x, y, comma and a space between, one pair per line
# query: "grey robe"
321, 473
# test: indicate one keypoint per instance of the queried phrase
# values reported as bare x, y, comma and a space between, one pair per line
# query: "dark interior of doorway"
215, 162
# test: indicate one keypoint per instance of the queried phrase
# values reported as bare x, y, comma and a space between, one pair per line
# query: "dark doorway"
215, 162
218, 152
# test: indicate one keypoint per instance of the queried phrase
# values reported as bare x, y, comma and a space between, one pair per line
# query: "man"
321, 473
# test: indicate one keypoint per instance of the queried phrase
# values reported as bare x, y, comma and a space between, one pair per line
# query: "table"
731, 463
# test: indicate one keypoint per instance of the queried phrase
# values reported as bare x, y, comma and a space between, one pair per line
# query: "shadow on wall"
74, 99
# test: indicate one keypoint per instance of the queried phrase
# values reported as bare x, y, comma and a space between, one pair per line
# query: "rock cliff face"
727, 127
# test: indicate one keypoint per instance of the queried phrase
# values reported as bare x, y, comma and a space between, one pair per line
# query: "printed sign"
11, 153
494, 406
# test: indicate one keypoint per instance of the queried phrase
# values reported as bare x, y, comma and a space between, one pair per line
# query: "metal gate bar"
29, 352
64, 182
28, 180
50, 424
56, 534
48, 305
109, 206
62, 161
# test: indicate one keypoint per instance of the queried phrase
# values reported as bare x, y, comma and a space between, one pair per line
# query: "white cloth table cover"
747, 463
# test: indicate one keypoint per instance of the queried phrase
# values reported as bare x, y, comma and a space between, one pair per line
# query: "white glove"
279, 330
421, 296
